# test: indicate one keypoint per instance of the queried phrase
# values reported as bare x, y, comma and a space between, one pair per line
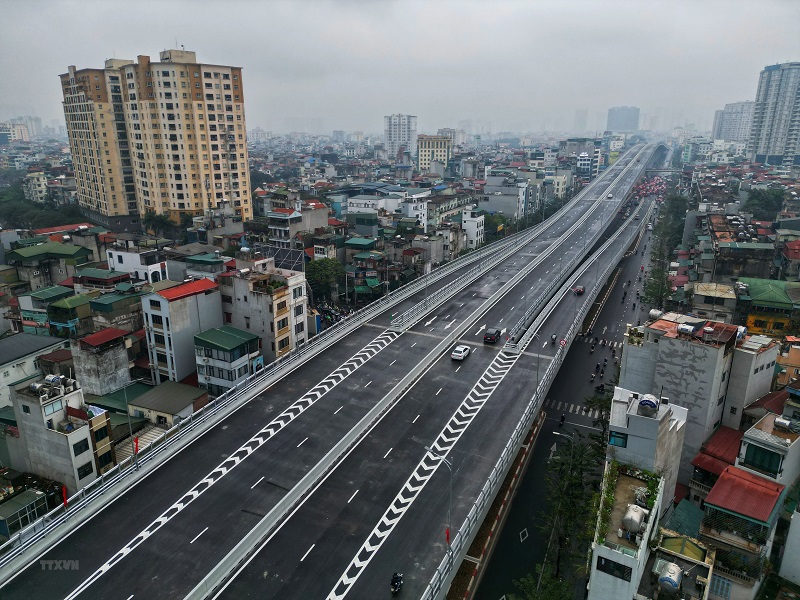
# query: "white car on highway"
460, 352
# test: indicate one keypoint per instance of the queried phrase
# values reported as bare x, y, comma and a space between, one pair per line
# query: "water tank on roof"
53, 379
655, 314
708, 333
37, 387
783, 423
685, 328
741, 331
669, 578
633, 519
648, 406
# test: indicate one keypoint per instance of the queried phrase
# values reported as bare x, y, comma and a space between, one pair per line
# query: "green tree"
158, 224
542, 586
601, 403
570, 481
764, 204
322, 274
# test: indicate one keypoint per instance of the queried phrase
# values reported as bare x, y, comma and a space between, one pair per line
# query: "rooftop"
185, 290
103, 336
169, 397
49, 293
17, 346
742, 493
101, 274
48, 249
225, 337
766, 430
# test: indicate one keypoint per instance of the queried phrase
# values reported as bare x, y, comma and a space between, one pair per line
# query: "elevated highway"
320, 432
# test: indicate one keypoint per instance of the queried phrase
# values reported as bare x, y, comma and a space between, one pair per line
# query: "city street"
520, 545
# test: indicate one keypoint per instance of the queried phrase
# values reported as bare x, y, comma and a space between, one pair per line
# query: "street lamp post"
449, 466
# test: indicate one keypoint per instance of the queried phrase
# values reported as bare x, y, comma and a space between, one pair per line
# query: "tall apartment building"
433, 147
733, 122
98, 139
775, 133
623, 118
165, 137
400, 130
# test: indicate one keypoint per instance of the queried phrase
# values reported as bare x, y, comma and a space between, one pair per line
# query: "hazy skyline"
508, 65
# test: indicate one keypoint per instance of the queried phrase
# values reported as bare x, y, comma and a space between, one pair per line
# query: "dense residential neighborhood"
137, 292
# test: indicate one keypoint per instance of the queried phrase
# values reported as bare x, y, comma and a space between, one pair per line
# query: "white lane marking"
460, 305
254, 443
256, 483
475, 294
439, 392
431, 321
459, 367
414, 344
307, 552
501, 320
427, 466
394, 361
367, 384
387, 453
353, 496
129, 597
301, 443
513, 307
415, 419
198, 535
522, 297
447, 317
338, 409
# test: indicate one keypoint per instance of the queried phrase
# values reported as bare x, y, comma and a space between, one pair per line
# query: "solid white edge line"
257, 482
353, 496
307, 552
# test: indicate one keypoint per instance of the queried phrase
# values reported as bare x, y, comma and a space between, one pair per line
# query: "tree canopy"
17, 212
322, 274
764, 204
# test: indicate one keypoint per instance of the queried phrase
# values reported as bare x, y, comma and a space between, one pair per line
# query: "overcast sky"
498, 64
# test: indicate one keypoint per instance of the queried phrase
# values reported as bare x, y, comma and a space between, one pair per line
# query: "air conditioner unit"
36, 272
205, 359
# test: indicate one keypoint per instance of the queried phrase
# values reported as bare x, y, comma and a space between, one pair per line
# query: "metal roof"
743, 493
224, 338
169, 397
19, 345
48, 293
187, 289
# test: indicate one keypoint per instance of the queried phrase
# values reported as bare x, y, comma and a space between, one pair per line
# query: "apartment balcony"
739, 576
700, 487
733, 539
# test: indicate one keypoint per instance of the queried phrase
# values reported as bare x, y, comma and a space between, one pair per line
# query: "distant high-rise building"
623, 118
433, 147
581, 120
459, 136
775, 132
339, 136
733, 123
167, 137
400, 130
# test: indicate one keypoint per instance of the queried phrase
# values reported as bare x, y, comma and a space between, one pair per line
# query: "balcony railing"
702, 487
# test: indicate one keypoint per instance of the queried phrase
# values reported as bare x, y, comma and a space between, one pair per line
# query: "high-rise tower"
775, 133
166, 137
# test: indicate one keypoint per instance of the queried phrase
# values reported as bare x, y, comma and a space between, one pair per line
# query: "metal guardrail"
438, 586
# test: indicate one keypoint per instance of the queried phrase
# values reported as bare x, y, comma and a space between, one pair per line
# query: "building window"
158, 338
101, 433
616, 438
119, 258
298, 310
613, 568
105, 459
26, 409
733, 410
283, 323
156, 319
720, 586
79, 448
85, 470
299, 328
155, 304
762, 459
283, 344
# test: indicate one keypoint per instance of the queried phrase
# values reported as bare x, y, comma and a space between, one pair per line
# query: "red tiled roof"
709, 463
60, 228
68, 282
285, 211
60, 355
335, 222
103, 336
310, 253
724, 444
681, 492
745, 494
774, 402
187, 289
